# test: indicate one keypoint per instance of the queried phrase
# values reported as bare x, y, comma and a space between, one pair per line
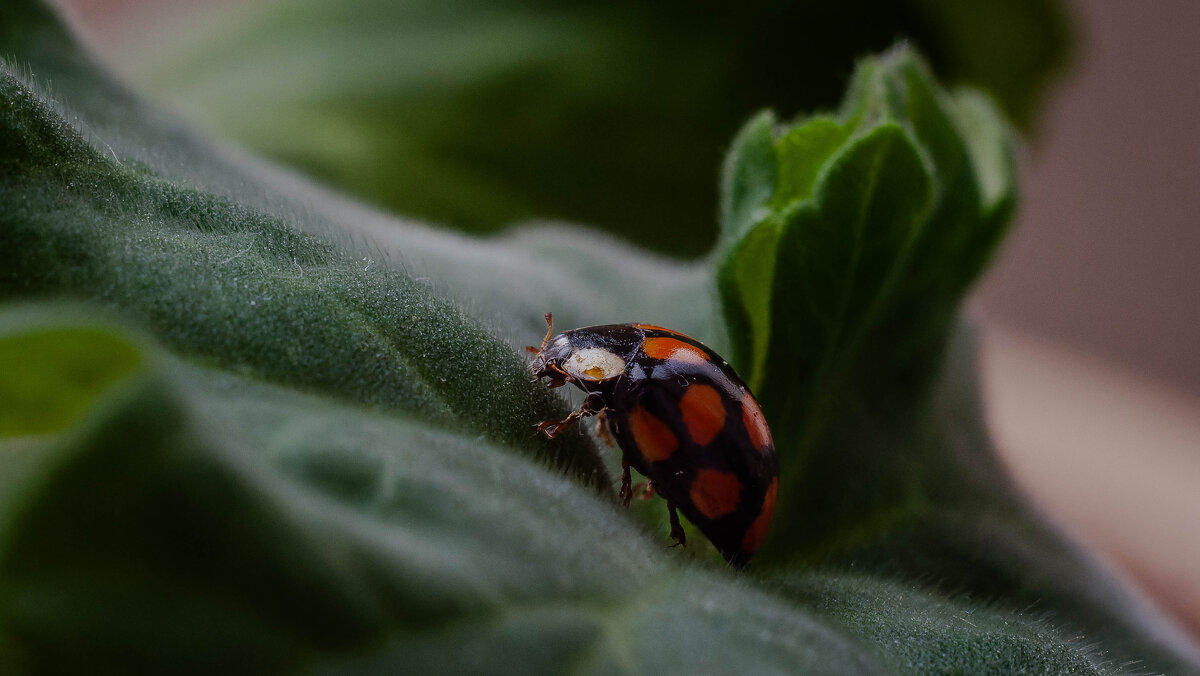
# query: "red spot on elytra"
715, 493
758, 530
756, 424
703, 412
654, 439
664, 348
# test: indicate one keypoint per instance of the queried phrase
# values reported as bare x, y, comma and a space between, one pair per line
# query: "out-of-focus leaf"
477, 114
968, 38
52, 377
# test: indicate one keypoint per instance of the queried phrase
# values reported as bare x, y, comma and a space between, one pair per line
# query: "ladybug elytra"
682, 418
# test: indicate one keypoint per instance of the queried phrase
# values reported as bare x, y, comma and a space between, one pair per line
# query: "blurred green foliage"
615, 114
51, 377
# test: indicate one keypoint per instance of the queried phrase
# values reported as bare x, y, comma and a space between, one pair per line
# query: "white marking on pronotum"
594, 364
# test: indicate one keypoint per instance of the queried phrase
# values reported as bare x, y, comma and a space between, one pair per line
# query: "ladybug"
681, 417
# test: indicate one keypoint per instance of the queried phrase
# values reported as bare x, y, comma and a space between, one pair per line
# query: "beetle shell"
682, 417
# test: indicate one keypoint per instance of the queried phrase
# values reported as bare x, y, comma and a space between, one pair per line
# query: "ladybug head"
549, 357
549, 361
576, 357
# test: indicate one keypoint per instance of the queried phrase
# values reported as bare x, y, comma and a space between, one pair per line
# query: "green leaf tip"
839, 227
843, 264
845, 254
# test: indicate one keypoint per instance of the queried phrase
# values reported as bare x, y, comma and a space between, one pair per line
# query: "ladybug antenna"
549, 331
549, 328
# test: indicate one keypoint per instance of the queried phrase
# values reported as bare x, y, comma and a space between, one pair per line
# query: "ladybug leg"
648, 489
676, 529
602, 429
626, 491
590, 406
558, 377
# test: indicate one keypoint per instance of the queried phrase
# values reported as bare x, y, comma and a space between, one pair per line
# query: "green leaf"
881, 228
242, 287
751, 271
927, 634
304, 535
836, 255
52, 377
313, 446
803, 150
748, 179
